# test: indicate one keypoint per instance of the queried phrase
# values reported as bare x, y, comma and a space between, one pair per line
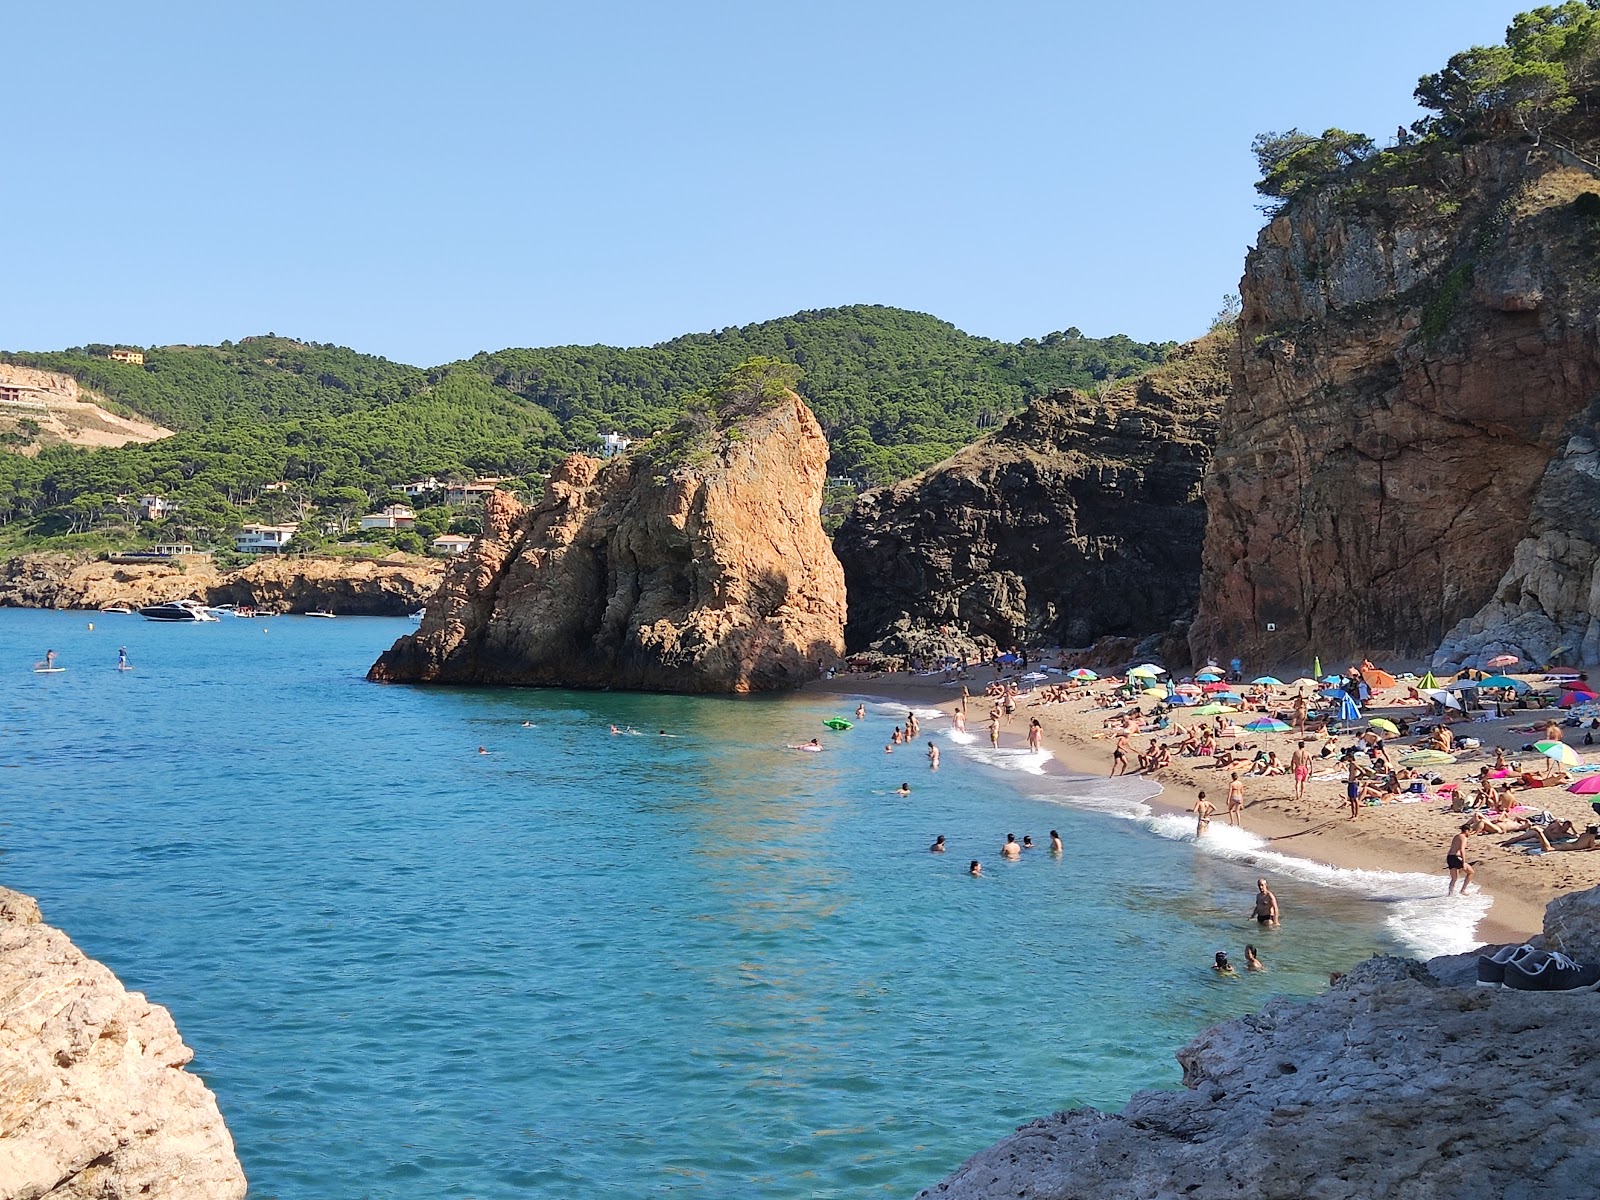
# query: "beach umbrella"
1267, 681
1305, 682
1587, 786
1008, 657
1141, 673
1081, 673
1214, 710
1558, 752
1215, 685
1503, 681
1154, 693
1228, 697
1267, 725
1188, 689
1035, 676
1443, 697
1332, 679
1384, 724
1208, 677
1316, 666
1348, 710
1427, 758
1427, 681
1576, 696
1462, 685
1151, 668
1503, 660
1180, 698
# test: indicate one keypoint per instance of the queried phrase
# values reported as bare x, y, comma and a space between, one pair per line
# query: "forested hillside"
895, 391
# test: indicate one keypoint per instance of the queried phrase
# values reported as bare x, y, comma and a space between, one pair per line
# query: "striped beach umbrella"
1558, 752
1267, 725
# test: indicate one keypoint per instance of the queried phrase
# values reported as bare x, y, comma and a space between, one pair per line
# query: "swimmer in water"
1027, 841
529, 725
903, 790
483, 750
615, 731
888, 749
938, 845
1055, 842
1251, 962
861, 712
1222, 966
1011, 850
975, 867
933, 757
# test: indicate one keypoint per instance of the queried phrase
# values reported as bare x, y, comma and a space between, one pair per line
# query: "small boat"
417, 616
177, 610
248, 613
320, 613
121, 610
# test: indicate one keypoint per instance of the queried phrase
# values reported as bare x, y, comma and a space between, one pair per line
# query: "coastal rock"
1411, 355
94, 1101
347, 586
1080, 518
696, 565
1390, 1086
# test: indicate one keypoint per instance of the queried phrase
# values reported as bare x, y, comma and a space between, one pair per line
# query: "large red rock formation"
698, 565
1412, 352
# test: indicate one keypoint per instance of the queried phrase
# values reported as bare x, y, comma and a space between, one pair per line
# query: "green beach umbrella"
1427, 758
1427, 681
1214, 710
1384, 724
1316, 666
1558, 752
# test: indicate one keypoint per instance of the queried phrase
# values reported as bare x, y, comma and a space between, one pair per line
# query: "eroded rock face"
709, 574
94, 1101
1080, 518
1388, 1087
349, 587
1406, 368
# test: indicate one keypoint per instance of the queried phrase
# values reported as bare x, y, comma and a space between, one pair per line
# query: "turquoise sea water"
586, 964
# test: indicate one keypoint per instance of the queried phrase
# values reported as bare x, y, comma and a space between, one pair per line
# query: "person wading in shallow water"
1265, 909
1035, 735
1119, 755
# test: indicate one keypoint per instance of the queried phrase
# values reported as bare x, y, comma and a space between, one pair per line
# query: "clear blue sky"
425, 180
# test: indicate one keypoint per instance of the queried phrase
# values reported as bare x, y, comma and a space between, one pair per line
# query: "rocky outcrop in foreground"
94, 1101
1401, 1082
1414, 349
698, 565
347, 586
1080, 518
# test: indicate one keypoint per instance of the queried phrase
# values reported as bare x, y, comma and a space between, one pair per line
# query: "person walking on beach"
933, 757
1266, 904
1235, 801
1455, 859
1035, 735
1119, 755
1300, 765
1300, 710
1202, 810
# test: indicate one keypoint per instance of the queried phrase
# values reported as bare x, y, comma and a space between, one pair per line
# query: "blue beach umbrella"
1268, 681
1502, 681
1332, 679
1208, 677
1348, 710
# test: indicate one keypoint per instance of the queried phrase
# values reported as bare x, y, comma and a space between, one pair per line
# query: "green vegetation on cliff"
333, 430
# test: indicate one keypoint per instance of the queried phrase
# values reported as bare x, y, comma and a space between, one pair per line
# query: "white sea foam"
961, 737
887, 708
1009, 759
1420, 916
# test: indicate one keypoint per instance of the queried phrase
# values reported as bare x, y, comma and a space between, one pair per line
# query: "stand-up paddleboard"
48, 670
837, 723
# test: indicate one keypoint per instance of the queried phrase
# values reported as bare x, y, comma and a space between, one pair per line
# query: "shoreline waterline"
1161, 810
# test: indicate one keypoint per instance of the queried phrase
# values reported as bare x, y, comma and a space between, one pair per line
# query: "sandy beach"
1400, 837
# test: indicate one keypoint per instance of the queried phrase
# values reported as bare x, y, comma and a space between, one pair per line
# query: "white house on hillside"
614, 444
153, 508
420, 487
396, 516
451, 544
263, 539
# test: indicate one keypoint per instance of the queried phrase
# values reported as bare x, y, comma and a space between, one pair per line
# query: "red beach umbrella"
1576, 696
1216, 687
1589, 785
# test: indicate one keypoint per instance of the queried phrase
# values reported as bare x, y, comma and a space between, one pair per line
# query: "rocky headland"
1081, 518
94, 1101
1401, 1081
697, 564
1406, 457
347, 586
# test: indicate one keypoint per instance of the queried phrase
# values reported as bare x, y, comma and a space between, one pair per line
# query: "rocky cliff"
349, 587
94, 1101
1400, 1082
1417, 343
1081, 517
696, 565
